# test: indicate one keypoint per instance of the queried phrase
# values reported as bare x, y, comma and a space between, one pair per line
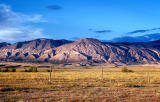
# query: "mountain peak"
41, 43
88, 40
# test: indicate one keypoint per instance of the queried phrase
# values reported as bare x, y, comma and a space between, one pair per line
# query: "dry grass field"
88, 84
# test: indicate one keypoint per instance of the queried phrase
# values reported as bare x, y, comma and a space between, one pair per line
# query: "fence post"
50, 74
148, 77
102, 73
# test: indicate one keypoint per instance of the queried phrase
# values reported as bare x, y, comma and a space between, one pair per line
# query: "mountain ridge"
85, 50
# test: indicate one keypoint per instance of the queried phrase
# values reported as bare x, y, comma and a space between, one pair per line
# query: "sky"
22, 20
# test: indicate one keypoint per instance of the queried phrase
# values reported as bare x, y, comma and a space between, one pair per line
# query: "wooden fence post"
50, 74
102, 73
148, 77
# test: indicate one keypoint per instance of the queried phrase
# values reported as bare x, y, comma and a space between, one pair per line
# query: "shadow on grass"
133, 85
10, 89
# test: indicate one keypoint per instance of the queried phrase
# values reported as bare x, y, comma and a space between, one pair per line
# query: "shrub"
13, 70
126, 70
25, 70
13, 89
6, 70
132, 85
32, 69
47, 70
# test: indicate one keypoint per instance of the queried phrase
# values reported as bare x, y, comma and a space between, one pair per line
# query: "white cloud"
35, 18
16, 26
20, 34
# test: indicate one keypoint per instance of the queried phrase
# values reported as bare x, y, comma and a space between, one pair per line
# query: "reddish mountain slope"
84, 50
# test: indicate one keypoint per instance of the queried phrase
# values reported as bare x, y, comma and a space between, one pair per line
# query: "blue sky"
74, 19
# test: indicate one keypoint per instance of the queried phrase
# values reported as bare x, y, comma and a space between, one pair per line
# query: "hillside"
85, 50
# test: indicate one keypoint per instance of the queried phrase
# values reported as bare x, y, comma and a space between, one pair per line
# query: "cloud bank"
142, 31
16, 26
144, 38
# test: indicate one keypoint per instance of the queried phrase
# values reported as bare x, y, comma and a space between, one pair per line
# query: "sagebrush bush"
125, 69
25, 70
8, 70
132, 85
48, 70
13, 70
5, 70
32, 69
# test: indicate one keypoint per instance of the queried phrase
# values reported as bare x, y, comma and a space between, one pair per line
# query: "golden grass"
78, 84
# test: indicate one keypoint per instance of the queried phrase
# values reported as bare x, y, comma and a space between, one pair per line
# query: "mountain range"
84, 51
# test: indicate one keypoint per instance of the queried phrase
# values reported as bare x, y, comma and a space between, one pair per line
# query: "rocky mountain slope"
86, 50
4, 44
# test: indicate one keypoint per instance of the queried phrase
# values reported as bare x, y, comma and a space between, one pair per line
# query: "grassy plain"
82, 84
